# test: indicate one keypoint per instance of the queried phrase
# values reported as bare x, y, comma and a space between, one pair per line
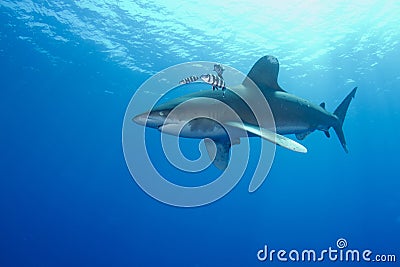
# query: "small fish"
219, 70
189, 80
215, 81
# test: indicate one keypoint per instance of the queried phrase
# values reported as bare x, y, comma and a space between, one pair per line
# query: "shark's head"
152, 119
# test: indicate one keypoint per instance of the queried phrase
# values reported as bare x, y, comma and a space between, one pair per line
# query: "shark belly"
202, 128
293, 129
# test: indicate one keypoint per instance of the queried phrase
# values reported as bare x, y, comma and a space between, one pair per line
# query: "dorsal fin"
264, 74
322, 105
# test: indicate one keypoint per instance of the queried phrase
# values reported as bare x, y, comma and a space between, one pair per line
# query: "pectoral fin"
170, 128
220, 150
270, 136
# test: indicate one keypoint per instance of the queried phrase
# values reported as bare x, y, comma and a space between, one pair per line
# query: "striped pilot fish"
215, 81
219, 70
189, 80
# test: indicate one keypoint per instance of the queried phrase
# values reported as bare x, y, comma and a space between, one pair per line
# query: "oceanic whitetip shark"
292, 115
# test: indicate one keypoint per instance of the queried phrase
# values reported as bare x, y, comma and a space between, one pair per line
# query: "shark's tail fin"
340, 112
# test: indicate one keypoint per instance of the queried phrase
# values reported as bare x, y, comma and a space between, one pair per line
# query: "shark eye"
161, 113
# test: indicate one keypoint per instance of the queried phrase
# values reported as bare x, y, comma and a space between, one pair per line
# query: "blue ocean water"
69, 70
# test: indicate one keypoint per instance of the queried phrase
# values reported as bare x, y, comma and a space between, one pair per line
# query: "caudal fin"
340, 112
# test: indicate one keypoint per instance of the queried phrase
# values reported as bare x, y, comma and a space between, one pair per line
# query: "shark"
291, 115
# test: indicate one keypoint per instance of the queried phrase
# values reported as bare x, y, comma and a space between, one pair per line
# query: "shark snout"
153, 119
141, 119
